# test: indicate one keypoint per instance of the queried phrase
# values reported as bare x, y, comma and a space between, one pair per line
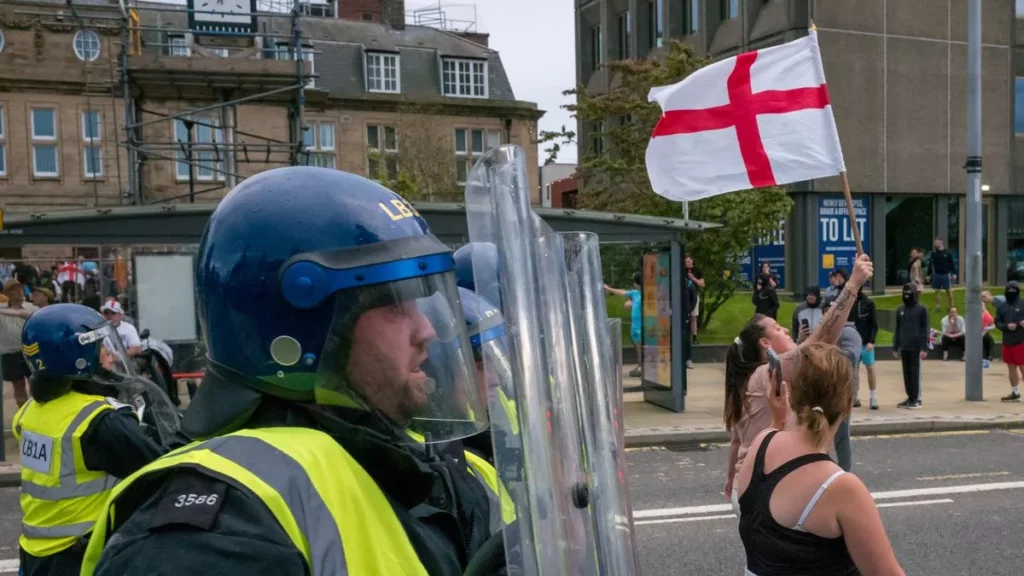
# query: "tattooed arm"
832, 324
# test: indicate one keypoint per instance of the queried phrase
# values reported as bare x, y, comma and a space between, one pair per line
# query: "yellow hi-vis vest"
60, 498
332, 510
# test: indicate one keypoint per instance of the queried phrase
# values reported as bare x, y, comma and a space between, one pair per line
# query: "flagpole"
853, 215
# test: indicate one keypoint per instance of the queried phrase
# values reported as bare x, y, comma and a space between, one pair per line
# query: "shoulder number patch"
190, 499
37, 452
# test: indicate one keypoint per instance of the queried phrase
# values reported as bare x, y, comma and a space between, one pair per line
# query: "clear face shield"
112, 355
398, 349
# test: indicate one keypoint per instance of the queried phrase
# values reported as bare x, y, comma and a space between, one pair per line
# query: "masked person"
313, 287
807, 315
76, 440
910, 342
1008, 319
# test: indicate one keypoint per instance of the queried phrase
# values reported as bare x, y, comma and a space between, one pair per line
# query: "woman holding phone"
747, 381
799, 512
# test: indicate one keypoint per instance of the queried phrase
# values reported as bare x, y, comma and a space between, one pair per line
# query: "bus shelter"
144, 256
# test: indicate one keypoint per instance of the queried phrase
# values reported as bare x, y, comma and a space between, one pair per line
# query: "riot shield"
615, 337
597, 377
152, 405
555, 492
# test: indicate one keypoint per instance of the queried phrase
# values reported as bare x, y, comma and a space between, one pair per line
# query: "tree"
423, 168
613, 171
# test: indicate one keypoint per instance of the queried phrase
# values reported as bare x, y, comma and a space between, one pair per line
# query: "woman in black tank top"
821, 509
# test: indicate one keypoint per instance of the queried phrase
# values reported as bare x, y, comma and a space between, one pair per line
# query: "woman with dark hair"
748, 384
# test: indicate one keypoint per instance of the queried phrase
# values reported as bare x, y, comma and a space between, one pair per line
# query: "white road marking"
959, 476
724, 516
887, 495
914, 503
671, 520
9, 566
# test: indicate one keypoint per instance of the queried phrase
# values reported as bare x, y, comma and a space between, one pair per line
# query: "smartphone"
805, 324
775, 370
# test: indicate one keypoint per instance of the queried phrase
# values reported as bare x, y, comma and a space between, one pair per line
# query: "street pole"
973, 368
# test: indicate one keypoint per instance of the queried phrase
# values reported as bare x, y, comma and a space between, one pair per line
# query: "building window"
597, 138
284, 52
691, 17
222, 52
3, 145
44, 143
655, 24
623, 36
319, 145
92, 150
200, 152
1020, 8
179, 45
596, 47
730, 9
470, 144
382, 144
464, 78
1018, 105
87, 45
382, 73
1, 40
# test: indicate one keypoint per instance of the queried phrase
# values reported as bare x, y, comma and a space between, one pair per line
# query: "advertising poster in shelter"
657, 319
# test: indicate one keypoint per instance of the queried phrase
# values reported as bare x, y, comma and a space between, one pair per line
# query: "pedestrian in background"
1008, 319
694, 278
851, 345
634, 303
799, 512
943, 271
807, 315
765, 298
915, 271
954, 332
865, 320
909, 344
13, 367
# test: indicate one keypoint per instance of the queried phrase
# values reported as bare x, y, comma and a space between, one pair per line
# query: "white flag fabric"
762, 118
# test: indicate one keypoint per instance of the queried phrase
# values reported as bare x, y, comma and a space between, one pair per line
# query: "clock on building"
222, 16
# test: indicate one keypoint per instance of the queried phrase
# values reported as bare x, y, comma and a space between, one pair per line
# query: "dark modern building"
896, 73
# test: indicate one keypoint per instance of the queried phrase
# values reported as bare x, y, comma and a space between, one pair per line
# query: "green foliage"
423, 166
612, 168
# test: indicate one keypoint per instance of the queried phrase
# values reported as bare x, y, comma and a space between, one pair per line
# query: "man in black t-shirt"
943, 271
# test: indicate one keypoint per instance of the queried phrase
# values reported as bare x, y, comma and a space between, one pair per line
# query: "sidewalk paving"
648, 425
944, 407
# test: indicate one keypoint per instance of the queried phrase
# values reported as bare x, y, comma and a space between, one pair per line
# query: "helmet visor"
112, 355
400, 349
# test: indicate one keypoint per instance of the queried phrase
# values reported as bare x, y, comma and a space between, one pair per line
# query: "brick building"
897, 78
354, 88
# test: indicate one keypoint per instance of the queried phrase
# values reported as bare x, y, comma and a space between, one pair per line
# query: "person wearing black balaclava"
1008, 319
910, 342
807, 315
765, 299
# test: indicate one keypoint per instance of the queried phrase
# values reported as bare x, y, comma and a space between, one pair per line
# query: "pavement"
944, 407
951, 503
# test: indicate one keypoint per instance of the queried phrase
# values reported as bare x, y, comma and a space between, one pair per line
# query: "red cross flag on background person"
758, 119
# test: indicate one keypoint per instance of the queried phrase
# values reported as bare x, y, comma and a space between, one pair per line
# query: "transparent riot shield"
554, 494
597, 378
615, 337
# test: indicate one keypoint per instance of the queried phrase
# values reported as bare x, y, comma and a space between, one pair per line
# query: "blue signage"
836, 246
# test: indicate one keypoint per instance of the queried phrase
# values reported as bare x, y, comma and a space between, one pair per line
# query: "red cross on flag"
758, 119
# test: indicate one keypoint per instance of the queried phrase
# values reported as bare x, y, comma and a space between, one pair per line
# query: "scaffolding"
204, 137
439, 17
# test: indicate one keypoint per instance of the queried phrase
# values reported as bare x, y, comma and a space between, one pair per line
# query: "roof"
341, 44
184, 224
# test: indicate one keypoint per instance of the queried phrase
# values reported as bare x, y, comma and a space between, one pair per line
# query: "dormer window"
383, 72
463, 78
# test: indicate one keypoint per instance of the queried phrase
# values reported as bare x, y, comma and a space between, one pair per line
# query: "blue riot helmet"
488, 335
68, 342
476, 269
313, 287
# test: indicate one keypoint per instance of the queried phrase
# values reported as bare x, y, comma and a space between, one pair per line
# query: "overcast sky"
536, 39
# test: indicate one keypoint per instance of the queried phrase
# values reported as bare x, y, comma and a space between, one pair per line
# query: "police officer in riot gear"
76, 440
322, 389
